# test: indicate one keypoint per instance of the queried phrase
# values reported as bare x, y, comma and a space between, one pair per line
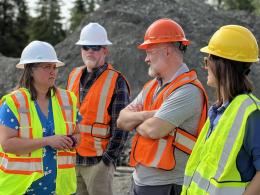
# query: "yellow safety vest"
211, 168
18, 172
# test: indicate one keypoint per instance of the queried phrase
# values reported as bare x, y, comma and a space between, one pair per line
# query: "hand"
75, 139
135, 107
59, 142
78, 138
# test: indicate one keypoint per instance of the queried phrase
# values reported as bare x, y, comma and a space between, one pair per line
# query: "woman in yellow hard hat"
226, 157
38, 132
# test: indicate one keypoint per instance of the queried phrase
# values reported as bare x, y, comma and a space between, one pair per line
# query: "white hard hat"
93, 34
38, 51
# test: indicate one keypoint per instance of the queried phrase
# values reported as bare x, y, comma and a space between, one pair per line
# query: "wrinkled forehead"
158, 45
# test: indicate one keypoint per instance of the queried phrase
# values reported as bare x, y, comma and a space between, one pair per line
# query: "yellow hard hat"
233, 42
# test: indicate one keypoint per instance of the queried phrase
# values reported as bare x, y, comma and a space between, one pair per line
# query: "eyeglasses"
206, 62
92, 47
45, 67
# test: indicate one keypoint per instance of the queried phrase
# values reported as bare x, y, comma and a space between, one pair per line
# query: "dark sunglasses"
92, 47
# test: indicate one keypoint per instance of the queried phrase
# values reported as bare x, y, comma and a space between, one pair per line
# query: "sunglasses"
92, 47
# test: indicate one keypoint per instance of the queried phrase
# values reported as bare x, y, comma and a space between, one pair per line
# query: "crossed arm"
144, 121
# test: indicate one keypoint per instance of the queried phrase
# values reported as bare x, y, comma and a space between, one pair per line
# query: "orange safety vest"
159, 153
28, 164
95, 124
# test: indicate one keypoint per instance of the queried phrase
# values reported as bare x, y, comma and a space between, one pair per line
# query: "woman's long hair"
231, 78
26, 81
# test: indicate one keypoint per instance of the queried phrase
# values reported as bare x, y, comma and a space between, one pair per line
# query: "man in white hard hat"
102, 93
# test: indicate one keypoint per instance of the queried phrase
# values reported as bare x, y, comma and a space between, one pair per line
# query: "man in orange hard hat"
167, 114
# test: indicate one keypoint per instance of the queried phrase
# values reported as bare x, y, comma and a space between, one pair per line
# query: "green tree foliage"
6, 26
47, 25
80, 10
21, 25
77, 13
247, 5
13, 24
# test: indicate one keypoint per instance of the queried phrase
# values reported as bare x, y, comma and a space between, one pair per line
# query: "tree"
81, 9
77, 13
20, 28
239, 4
247, 5
55, 25
7, 11
13, 22
47, 25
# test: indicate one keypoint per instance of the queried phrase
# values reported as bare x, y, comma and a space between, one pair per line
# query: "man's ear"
106, 51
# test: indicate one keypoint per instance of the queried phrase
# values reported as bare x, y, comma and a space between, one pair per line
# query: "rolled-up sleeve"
7, 117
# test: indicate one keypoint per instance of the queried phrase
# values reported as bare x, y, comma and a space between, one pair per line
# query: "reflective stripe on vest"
183, 140
95, 125
104, 94
148, 87
67, 111
212, 186
159, 152
101, 131
66, 159
76, 72
24, 118
22, 170
24, 166
162, 143
184, 78
100, 114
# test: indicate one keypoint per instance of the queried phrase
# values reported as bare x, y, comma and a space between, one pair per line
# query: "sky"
66, 5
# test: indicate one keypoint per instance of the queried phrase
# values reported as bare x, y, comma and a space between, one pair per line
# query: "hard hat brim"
21, 64
147, 43
205, 50
93, 43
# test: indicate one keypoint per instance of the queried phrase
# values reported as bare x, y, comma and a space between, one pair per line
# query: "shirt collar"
182, 69
97, 71
220, 109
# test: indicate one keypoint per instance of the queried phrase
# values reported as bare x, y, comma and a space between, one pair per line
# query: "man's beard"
89, 62
152, 73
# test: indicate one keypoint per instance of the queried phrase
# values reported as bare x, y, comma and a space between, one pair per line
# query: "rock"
122, 182
126, 22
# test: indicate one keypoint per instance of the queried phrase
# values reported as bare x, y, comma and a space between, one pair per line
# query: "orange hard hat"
163, 31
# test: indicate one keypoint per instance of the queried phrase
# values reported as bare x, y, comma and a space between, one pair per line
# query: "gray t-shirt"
182, 109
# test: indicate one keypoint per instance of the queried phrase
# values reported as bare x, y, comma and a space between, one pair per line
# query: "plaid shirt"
119, 101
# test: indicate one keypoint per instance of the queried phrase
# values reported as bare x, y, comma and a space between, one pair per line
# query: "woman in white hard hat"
38, 131
226, 157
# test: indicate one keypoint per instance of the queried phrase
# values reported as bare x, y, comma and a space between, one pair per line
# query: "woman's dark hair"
231, 77
26, 81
